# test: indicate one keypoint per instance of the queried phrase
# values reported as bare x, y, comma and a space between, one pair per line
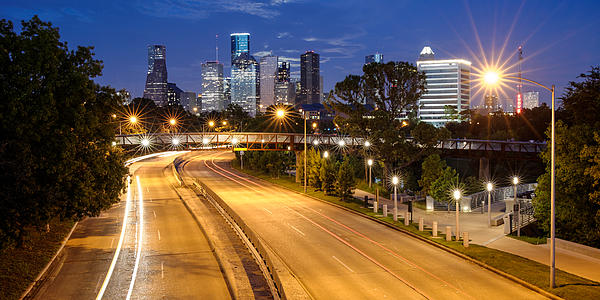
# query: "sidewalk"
493, 237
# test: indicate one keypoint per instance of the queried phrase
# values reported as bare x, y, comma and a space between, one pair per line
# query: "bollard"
421, 224
385, 210
395, 214
465, 239
406, 219
375, 206
434, 231
448, 233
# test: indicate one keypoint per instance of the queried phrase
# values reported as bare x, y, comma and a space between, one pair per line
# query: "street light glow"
342, 143
326, 154
370, 162
491, 77
456, 194
280, 113
145, 142
314, 125
211, 123
205, 141
224, 123
515, 180
133, 119
234, 141
490, 186
316, 142
175, 141
367, 144
395, 180
172, 121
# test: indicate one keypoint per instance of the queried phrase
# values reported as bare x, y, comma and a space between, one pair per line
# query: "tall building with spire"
448, 83
374, 58
156, 88
213, 98
310, 78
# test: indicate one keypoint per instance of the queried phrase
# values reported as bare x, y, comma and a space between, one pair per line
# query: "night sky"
561, 38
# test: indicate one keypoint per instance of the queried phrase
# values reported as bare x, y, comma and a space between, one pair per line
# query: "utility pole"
519, 105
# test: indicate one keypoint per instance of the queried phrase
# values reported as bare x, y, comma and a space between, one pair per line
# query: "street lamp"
370, 163
456, 195
316, 142
492, 78
395, 181
367, 144
175, 142
342, 143
326, 154
489, 187
133, 119
172, 122
515, 181
211, 124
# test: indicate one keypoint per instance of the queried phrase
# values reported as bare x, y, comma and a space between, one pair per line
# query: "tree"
327, 175
314, 169
577, 165
397, 138
432, 166
345, 182
441, 188
56, 155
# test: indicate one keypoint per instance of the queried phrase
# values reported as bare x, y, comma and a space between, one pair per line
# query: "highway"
335, 254
159, 253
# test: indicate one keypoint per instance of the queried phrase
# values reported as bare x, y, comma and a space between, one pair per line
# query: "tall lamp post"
395, 181
489, 186
370, 163
456, 195
492, 78
515, 181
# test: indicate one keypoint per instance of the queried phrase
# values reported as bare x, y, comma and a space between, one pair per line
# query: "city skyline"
342, 42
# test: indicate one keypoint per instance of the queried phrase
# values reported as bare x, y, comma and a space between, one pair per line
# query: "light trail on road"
119, 245
140, 237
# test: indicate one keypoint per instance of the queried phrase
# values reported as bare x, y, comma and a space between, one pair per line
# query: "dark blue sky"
561, 38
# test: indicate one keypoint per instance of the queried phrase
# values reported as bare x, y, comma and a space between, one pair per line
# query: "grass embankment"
569, 286
20, 266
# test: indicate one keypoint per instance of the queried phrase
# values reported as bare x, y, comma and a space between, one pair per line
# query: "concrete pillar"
434, 230
421, 224
385, 210
484, 168
465, 239
448, 233
375, 206
395, 214
298, 162
406, 219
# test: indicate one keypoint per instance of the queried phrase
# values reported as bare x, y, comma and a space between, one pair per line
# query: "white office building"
448, 86
531, 99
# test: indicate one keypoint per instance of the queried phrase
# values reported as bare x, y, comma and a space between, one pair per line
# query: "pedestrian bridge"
261, 141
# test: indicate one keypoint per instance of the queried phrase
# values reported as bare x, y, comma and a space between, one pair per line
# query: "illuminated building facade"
245, 88
310, 78
448, 84
212, 87
156, 88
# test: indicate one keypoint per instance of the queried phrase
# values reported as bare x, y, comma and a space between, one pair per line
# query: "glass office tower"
212, 87
245, 88
240, 43
156, 88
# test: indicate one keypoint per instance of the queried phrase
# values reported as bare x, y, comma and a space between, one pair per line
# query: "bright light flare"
172, 122
342, 143
133, 119
367, 144
515, 180
205, 141
395, 180
234, 141
326, 154
489, 186
280, 113
491, 77
456, 194
175, 141
316, 142
211, 123
370, 162
145, 142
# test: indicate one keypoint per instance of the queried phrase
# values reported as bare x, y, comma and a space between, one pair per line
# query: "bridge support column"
484, 168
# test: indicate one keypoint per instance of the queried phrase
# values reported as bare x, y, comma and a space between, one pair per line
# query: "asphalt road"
335, 254
162, 254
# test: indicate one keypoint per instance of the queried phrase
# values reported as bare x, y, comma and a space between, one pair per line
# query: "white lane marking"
343, 264
154, 213
162, 269
298, 230
119, 245
158, 234
267, 210
139, 240
112, 241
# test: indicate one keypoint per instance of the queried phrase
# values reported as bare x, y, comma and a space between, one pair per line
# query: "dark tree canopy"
55, 133
397, 138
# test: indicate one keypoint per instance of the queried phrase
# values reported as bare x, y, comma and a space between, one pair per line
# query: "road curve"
162, 253
336, 254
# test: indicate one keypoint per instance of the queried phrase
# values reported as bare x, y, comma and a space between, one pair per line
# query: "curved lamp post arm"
530, 81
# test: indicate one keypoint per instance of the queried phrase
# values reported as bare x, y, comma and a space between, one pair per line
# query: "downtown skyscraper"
213, 97
268, 72
374, 58
245, 90
310, 78
285, 89
156, 88
240, 43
